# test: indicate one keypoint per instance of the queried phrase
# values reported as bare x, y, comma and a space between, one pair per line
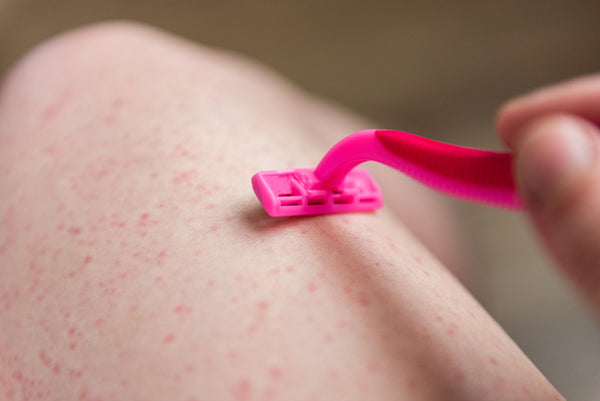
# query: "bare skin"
136, 264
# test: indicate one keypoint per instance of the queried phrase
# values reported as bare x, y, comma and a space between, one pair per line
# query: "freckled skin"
132, 249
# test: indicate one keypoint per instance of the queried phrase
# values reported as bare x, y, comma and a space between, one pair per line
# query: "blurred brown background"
436, 68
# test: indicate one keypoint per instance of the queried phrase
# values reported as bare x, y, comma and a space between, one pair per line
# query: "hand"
555, 135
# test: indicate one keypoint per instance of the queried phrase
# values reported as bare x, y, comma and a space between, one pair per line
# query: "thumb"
559, 177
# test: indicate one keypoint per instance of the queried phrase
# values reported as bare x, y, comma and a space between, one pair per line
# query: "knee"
85, 60
89, 65
68, 56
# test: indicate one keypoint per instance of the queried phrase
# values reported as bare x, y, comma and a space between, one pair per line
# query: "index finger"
579, 96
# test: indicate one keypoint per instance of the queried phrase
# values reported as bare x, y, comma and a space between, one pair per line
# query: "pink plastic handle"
479, 175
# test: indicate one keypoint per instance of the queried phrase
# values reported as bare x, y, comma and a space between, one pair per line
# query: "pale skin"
136, 264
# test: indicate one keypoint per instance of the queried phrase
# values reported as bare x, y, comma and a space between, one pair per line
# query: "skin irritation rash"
111, 167
266, 385
145, 226
253, 289
53, 110
419, 274
87, 235
263, 307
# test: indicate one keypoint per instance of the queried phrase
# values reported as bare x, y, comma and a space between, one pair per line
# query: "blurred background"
436, 68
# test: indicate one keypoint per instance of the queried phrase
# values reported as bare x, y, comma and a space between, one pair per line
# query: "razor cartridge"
297, 192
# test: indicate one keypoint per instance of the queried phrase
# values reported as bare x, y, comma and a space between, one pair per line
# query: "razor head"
298, 192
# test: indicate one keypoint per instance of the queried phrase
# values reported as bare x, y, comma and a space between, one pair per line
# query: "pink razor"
336, 187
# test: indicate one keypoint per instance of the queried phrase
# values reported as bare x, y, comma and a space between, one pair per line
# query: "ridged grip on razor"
479, 175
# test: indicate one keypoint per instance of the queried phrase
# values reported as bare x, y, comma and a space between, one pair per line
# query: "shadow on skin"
386, 308
254, 218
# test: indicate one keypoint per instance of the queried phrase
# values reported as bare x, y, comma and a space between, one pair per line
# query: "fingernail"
556, 153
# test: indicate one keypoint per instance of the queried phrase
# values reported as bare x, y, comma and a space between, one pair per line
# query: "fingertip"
505, 121
579, 96
518, 112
